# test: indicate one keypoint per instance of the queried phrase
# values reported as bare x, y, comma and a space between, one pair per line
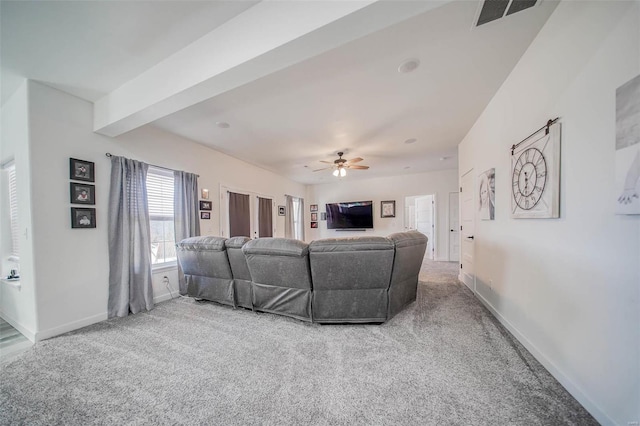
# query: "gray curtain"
185, 213
130, 288
265, 217
294, 223
239, 216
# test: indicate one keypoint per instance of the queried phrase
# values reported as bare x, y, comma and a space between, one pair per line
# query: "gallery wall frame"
83, 217
82, 193
206, 205
82, 170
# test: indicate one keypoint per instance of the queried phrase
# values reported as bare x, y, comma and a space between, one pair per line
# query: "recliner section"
281, 278
333, 280
350, 279
206, 269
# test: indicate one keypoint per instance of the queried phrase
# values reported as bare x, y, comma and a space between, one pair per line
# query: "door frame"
471, 281
434, 222
253, 210
449, 227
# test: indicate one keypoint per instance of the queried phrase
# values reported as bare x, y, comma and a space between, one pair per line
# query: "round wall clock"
529, 178
535, 173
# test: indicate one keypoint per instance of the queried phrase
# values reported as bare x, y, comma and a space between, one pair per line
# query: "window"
10, 170
160, 199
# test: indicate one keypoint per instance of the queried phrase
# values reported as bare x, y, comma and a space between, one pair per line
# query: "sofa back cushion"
281, 279
351, 278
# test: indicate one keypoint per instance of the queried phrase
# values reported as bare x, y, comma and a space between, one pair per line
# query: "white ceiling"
350, 98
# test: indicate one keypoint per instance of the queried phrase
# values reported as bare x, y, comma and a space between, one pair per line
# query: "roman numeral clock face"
529, 178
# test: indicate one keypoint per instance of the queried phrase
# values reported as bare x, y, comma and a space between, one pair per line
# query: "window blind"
160, 194
13, 206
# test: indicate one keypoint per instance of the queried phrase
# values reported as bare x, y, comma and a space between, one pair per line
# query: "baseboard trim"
571, 387
25, 331
164, 297
71, 326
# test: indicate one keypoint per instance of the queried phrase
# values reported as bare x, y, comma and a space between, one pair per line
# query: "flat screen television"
350, 215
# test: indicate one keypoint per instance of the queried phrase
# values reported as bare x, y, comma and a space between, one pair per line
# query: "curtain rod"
108, 154
545, 128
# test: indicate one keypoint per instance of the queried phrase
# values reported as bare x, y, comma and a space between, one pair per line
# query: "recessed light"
223, 124
410, 141
408, 66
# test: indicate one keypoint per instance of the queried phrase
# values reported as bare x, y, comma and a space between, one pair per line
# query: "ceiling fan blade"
324, 168
354, 160
358, 167
328, 162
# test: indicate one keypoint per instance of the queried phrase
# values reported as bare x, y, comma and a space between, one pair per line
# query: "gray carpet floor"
444, 360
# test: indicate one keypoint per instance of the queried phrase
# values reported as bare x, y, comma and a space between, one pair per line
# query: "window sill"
15, 283
164, 267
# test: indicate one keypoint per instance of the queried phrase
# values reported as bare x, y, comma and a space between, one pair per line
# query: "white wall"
440, 183
72, 264
18, 304
568, 288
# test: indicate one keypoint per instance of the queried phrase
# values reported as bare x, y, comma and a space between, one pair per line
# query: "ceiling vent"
495, 9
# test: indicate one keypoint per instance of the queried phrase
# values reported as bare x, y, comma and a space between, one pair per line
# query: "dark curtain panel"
239, 216
265, 216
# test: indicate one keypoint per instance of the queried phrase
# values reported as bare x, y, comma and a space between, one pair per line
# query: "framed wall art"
205, 215
81, 170
535, 174
313, 207
82, 193
627, 169
206, 205
83, 217
314, 224
314, 217
487, 195
388, 208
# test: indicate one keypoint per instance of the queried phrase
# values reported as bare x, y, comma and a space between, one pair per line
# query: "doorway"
467, 228
246, 213
420, 215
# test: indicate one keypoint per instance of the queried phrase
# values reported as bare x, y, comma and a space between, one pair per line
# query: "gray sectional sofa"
333, 280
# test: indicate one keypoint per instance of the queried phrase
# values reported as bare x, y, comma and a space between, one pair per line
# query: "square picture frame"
82, 193
206, 205
314, 217
82, 170
83, 217
205, 215
281, 210
388, 208
314, 224
313, 207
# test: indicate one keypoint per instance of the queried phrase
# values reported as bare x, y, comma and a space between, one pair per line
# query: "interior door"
424, 219
467, 228
454, 227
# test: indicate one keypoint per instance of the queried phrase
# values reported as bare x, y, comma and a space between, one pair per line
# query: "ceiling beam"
268, 37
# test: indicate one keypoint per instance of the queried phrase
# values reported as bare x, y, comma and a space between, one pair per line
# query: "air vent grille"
496, 9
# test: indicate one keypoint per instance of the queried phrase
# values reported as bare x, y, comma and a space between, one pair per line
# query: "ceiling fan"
341, 165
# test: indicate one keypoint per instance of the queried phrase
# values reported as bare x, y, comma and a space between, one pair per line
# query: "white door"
467, 222
420, 216
424, 221
454, 227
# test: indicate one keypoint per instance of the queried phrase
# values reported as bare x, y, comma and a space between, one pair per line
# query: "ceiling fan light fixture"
336, 172
343, 172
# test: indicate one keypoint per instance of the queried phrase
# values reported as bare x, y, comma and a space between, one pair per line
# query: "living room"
566, 288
